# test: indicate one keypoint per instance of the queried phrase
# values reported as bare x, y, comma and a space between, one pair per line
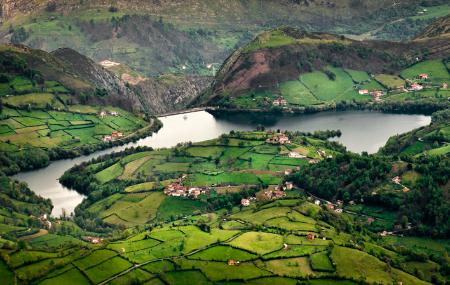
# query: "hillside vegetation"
185, 36
313, 71
48, 108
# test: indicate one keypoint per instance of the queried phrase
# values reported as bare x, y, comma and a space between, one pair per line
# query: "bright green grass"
261, 216
176, 207
71, 277
138, 276
434, 68
159, 266
181, 277
296, 93
6, 275
285, 223
272, 39
358, 76
433, 12
109, 173
195, 238
22, 257
257, 242
216, 271
223, 253
94, 258
107, 269
294, 251
330, 90
321, 262
129, 246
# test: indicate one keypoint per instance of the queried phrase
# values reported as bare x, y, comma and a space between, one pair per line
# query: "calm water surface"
361, 131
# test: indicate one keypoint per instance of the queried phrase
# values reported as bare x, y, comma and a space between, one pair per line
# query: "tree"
19, 36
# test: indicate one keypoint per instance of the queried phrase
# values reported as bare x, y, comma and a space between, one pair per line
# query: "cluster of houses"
277, 192
413, 86
177, 189
114, 136
246, 202
280, 101
103, 113
278, 138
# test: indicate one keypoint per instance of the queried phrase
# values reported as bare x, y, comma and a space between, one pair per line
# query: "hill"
59, 105
166, 36
440, 27
316, 70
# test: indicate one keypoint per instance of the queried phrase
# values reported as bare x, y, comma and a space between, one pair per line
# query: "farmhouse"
330, 206
102, 114
116, 135
93, 240
245, 202
363, 92
444, 85
289, 185
232, 262
311, 236
317, 202
338, 211
278, 139
114, 113
107, 138
294, 154
377, 94
396, 180
274, 193
416, 87
423, 76
288, 171
280, 101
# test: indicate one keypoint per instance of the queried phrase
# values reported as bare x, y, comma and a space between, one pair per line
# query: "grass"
293, 267
296, 93
72, 276
435, 69
358, 76
328, 90
216, 271
107, 269
257, 242
109, 173
176, 207
223, 253
38, 100
351, 263
390, 81
180, 277
321, 262
94, 258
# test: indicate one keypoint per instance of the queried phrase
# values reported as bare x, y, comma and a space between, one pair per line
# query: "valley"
224, 142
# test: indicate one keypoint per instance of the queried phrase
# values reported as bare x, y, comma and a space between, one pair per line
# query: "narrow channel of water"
361, 131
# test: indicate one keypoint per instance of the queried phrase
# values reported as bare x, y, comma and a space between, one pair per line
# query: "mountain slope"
156, 37
277, 60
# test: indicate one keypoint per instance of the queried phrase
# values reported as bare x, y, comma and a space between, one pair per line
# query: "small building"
114, 113
405, 189
245, 202
338, 211
396, 180
317, 202
289, 185
93, 240
423, 76
285, 246
116, 135
102, 114
330, 206
280, 101
294, 154
416, 87
311, 236
232, 262
363, 92
107, 138
370, 220
444, 85
288, 171
278, 139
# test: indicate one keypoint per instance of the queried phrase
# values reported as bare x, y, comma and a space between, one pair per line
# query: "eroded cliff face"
165, 94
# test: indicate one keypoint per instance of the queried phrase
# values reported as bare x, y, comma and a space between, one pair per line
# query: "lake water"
361, 131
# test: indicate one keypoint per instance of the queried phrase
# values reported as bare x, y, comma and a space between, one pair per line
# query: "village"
421, 82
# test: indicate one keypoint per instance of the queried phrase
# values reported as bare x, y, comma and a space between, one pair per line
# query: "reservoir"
361, 131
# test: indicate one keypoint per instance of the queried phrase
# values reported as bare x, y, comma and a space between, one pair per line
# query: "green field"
435, 69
